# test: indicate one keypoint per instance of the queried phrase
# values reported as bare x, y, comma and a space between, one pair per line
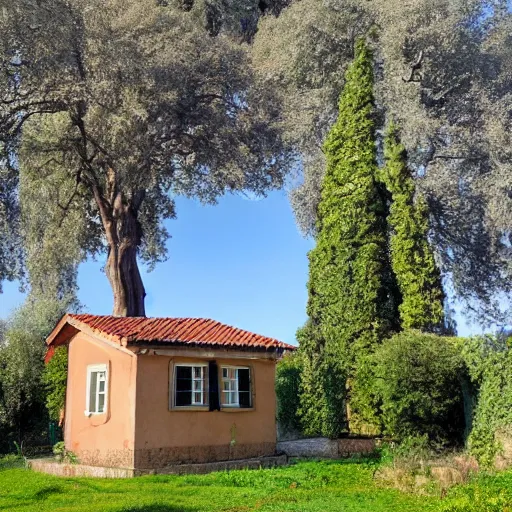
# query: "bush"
55, 380
63, 455
287, 390
417, 382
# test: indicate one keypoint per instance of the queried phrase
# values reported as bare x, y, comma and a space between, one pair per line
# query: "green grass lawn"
324, 486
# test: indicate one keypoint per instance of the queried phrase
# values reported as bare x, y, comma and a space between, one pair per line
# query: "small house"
146, 393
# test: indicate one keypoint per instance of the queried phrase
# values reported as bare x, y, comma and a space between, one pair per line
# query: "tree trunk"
124, 276
122, 269
124, 235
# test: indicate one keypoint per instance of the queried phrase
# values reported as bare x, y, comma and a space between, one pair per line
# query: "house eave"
204, 352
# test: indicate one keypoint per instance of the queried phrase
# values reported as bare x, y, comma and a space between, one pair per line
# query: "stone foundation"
52, 467
110, 458
162, 457
210, 467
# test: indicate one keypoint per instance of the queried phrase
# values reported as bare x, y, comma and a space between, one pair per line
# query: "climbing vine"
55, 379
489, 362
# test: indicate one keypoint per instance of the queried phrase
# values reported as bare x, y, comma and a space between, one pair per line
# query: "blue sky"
241, 262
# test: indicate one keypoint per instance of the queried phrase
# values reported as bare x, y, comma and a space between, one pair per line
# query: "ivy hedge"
489, 362
288, 374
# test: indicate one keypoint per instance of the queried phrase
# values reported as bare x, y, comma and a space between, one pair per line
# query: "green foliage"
412, 259
322, 387
412, 448
55, 379
486, 494
288, 374
63, 455
347, 298
489, 361
417, 380
23, 417
13, 460
105, 139
433, 71
364, 401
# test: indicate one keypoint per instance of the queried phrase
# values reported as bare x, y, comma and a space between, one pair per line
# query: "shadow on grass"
158, 508
47, 492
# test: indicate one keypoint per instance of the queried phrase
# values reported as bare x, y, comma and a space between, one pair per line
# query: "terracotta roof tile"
175, 331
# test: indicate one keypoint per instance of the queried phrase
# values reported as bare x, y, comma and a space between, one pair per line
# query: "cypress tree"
412, 259
347, 295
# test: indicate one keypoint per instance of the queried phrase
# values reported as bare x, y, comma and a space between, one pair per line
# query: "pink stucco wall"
164, 436
105, 439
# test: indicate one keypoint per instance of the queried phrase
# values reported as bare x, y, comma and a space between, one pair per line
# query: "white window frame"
92, 368
204, 384
222, 392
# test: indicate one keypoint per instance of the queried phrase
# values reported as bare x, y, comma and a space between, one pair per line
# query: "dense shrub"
23, 418
287, 391
417, 381
489, 362
54, 380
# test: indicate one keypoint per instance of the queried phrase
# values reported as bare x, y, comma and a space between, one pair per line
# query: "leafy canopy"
445, 79
110, 106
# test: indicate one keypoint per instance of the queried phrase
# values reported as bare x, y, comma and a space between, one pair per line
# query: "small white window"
96, 398
236, 387
190, 385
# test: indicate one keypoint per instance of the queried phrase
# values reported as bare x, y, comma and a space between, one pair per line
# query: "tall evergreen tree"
412, 259
348, 304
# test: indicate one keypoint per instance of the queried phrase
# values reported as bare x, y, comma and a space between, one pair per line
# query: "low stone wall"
52, 467
327, 448
503, 459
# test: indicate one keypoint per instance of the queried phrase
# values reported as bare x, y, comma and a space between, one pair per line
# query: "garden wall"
327, 448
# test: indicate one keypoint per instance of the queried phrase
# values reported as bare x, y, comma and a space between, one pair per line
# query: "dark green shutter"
244, 387
183, 386
213, 381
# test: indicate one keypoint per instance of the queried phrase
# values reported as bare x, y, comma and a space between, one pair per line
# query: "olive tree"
108, 110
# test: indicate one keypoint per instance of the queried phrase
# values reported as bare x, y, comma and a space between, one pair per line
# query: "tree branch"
66, 207
414, 68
